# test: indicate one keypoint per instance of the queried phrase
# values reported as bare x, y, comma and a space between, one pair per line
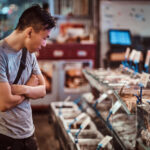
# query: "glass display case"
109, 107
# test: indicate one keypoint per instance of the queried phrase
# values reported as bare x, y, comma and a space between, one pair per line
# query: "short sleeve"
3, 68
35, 67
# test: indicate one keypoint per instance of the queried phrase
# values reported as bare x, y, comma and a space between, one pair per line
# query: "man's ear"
28, 32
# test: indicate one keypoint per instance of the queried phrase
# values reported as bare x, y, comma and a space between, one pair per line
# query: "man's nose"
44, 43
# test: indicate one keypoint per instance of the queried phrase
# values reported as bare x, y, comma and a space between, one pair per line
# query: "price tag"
67, 99
88, 97
105, 141
109, 92
58, 53
127, 53
102, 97
147, 58
137, 57
132, 55
85, 123
115, 107
144, 79
82, 115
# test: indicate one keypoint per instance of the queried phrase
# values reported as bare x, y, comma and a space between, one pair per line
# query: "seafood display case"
117, 115
114, 115
76, 130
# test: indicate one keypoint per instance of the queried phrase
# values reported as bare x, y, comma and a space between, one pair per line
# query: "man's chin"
37, 51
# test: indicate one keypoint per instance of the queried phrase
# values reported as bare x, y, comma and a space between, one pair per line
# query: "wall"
132, 15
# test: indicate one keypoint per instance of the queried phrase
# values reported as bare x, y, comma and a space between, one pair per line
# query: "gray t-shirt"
16, 122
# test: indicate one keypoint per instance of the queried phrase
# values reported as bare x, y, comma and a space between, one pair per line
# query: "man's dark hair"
45, 6
37, 18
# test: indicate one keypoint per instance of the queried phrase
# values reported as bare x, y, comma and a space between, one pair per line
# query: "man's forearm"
11, 102
33, 92
34, 88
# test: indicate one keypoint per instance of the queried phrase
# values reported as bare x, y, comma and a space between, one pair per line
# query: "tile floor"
45, 132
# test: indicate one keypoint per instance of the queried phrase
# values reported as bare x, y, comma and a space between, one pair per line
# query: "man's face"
37, 40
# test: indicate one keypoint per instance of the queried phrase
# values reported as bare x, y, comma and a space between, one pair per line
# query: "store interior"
96, 69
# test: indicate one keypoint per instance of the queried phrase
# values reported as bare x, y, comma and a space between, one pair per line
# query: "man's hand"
33, 81
35, 88
17, 89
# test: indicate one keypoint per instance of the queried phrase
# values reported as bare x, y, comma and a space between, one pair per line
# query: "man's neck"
15, 40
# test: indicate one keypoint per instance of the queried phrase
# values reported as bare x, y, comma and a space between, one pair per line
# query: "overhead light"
5, 10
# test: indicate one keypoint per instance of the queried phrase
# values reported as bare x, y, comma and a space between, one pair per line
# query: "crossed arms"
12, 95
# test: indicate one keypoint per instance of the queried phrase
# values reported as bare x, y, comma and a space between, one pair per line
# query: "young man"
16, 124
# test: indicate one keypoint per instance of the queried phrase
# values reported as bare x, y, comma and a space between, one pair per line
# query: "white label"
115, 107
137, 57
58, 53
67, 99
105, 141
88, 96
109, 92
127, 52
132, 55
102, 97
82, 53
82, 115
147, 58
85, 123
106, 81
144, 79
